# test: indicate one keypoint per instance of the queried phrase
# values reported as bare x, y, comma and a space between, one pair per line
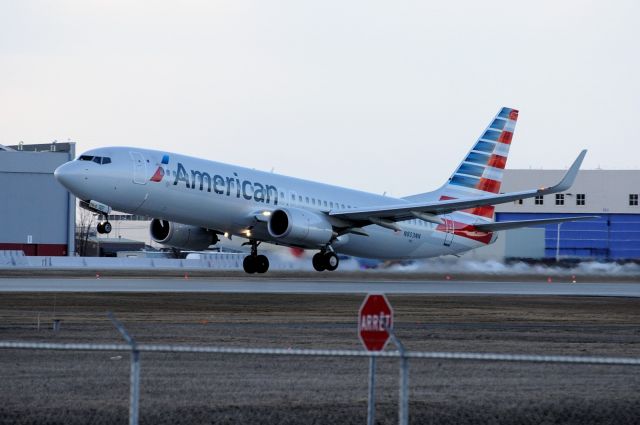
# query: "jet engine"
183, 236
300, 227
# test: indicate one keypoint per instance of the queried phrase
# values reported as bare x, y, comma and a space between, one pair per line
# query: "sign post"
375, 321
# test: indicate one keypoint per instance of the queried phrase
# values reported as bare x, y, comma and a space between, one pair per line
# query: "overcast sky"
380, 96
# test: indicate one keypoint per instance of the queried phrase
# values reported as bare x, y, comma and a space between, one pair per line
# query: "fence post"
403, 396
371, 408
134, 379
404, 390
134, 396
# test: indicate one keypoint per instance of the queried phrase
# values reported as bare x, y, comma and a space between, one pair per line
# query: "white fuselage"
227, 198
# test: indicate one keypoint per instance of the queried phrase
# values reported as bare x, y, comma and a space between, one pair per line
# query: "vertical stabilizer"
482, 169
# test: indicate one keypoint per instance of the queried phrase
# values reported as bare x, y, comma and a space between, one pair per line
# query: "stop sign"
374, 320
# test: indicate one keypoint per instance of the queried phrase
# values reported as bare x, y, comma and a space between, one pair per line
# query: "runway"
300, 286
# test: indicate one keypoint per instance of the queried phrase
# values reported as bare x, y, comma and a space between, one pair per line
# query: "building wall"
606, 191
615, 235
36, 212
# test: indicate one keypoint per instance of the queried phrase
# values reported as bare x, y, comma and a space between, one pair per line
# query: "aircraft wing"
506, 225
428, 211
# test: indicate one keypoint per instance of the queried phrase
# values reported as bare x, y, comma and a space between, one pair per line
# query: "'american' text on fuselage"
228, 186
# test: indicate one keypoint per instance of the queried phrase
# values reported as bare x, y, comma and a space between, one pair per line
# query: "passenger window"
325, 203
300, 198
331, 203
313, 201
343, 206
307, 199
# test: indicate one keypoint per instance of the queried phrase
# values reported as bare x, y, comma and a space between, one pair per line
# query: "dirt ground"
45, 387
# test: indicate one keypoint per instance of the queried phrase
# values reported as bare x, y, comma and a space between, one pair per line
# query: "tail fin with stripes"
482, 169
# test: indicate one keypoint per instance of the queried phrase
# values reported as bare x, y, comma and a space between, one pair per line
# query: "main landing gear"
254, 263
104, 227
325, 260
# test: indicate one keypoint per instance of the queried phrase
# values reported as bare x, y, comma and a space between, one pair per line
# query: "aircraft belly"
381, 244
386, 244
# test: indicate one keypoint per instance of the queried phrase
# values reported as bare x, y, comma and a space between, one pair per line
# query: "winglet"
569, 177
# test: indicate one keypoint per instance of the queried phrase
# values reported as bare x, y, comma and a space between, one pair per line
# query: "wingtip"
569, 177
578, 162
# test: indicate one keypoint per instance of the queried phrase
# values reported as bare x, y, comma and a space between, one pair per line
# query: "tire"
100, 228
262, 264
331, 261
249, 264
318, 262
106, 227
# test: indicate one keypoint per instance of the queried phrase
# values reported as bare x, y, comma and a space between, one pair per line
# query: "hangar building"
610, 194
37, 213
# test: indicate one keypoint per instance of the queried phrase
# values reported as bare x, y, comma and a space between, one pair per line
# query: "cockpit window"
96, 159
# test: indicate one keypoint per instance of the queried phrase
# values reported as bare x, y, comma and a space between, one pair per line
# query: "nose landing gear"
325, 260
104, 227
254, 263
102, 210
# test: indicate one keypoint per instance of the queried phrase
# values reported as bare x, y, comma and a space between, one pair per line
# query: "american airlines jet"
194, 201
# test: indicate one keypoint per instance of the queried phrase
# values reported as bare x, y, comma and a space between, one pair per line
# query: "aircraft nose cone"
69, 176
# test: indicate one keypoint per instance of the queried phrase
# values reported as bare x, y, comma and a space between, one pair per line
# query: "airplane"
195, 201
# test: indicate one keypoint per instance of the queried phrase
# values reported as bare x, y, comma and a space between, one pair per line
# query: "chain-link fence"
90, 383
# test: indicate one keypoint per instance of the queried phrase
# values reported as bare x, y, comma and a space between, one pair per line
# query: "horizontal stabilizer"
506, 225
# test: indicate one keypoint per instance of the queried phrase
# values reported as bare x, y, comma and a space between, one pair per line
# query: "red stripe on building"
488, 185
497, 161
49, 249
513, 115
465, 230
505, 137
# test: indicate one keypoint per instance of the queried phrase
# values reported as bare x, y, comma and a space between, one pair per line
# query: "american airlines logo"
159, 174
222, 185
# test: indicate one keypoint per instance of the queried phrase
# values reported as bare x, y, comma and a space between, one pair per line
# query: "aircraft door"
448, 230
139, 168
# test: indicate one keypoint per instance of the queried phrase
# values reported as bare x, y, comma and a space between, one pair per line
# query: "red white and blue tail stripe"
482, 169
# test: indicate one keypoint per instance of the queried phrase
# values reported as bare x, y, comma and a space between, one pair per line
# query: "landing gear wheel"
249, 264
106, 226
262, 264
331, 261
254, 263
318, 262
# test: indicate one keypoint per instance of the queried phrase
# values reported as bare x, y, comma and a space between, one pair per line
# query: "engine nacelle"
183, 236
300, 227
